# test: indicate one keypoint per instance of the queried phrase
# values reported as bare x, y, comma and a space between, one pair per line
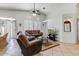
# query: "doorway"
8, 26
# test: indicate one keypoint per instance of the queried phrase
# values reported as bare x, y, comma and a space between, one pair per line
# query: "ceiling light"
45, 21
5, 18
34, 14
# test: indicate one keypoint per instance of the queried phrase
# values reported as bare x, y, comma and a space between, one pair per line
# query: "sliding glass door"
8, 27
32, 25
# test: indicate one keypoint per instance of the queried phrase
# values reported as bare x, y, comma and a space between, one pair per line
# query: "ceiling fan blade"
36, 11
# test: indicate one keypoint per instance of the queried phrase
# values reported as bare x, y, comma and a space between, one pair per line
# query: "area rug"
49, 45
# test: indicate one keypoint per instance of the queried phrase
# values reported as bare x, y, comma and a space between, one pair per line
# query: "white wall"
44, 29
71, 37
56, 20
20, 16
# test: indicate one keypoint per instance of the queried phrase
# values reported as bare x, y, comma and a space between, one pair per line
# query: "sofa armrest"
33, 42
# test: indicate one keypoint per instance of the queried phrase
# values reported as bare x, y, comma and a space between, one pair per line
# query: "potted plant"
52, 33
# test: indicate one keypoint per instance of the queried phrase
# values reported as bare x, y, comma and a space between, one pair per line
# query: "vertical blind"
8, 27
32, 25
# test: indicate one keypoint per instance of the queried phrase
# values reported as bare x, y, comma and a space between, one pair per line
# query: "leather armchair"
29, 48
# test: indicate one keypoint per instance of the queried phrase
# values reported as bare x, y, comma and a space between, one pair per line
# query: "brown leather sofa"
29, 48
35, 33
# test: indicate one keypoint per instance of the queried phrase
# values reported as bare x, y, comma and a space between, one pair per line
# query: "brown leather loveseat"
35, 33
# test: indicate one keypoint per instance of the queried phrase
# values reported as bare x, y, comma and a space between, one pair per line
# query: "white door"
78, 30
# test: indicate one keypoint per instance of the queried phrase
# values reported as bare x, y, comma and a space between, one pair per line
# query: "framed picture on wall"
67, 26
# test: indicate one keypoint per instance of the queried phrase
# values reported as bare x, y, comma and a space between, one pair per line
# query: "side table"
45, 40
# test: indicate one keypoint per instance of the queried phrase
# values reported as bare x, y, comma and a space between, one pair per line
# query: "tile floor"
12, 49
63, 49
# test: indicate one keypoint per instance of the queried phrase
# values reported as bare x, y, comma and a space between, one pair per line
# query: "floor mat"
49, 45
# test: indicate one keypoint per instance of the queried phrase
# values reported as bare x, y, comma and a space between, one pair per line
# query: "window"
32, 25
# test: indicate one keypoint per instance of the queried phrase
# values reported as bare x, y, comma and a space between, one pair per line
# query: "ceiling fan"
35, 11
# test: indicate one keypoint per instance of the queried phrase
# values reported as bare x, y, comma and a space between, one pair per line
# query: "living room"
37, 21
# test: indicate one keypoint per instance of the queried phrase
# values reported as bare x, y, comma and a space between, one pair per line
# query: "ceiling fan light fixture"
34, 14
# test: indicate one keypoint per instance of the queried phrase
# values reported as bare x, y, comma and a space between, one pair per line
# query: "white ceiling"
29, 6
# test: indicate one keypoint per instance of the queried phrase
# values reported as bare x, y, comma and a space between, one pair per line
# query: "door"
9, 27
78, 30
